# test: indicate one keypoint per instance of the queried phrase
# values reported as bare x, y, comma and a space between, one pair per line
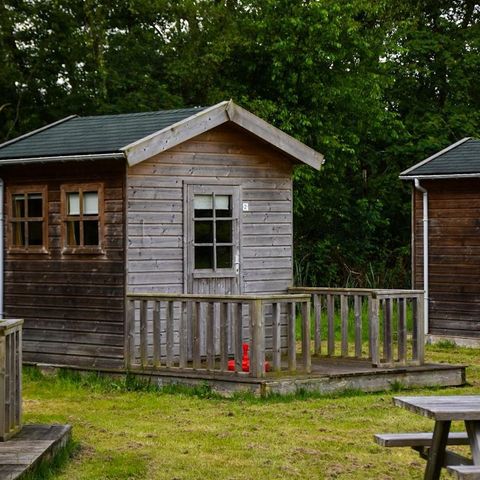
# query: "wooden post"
331, 325
317, 309
257, 355
225, 321
402, 330
210, 332
374, 330
143, 333
170, 330
130, 335
183, 335
306, 354
276, 336
197, 313
357, 308
388, 331
418, 336
344, 320
238, 351
291, 338
156, 335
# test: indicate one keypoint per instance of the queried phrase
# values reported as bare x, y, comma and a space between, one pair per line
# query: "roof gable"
459, 159
139, 136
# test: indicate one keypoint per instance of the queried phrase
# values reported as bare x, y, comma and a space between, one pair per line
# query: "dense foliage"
374, 85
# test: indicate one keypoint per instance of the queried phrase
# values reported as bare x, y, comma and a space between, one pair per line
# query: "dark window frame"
82, 188
26, 219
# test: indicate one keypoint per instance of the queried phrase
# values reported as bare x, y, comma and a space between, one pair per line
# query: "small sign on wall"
245, 206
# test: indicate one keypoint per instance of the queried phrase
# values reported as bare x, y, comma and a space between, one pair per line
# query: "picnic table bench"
432, 446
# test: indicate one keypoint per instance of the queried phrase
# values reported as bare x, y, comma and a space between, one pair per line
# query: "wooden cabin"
194, 200
446, 240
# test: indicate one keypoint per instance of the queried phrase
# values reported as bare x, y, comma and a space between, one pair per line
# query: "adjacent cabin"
194, 200
446, 239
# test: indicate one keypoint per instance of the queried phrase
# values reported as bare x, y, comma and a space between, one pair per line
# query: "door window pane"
224, 231
203, 205
204, 257
204, 232
223, 206
224, 257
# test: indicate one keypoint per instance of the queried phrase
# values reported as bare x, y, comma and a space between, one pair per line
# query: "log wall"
454, 255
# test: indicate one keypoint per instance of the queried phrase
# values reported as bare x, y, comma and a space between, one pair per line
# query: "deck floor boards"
29, 447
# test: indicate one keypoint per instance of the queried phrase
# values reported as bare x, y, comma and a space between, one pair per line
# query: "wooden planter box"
10, 378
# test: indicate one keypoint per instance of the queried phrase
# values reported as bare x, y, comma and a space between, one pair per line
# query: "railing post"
130, 335
306, 354
374, 329
418, 334
257, 356
291, 339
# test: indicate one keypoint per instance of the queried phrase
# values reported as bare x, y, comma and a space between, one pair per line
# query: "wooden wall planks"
72, 304
454, 255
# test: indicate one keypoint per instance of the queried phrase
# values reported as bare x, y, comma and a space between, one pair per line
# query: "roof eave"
441, 176
61, 158
210, 118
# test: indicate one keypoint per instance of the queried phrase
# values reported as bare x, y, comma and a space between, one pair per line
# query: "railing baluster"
156, 335
257, 356
170, 327
210, 334
225, 320
357, 312
276, 336
306, 354
344, 320
130, 335
402, 330
331, 324
143, 333
183, 336
291, 338
197, 314
238, 336
417, 330
387, 331
374, 330
317, 309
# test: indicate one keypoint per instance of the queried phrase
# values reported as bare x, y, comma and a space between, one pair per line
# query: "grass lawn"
184, 435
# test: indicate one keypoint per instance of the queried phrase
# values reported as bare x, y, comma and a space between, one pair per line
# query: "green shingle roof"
461, 158
92, 135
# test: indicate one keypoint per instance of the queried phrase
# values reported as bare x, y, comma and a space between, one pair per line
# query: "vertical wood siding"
454, 256
225, 155
72, 303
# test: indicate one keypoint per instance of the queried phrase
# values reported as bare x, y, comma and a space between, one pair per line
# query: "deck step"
423, 439
465, 472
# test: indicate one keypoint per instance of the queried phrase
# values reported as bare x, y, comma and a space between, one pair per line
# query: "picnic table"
433, 446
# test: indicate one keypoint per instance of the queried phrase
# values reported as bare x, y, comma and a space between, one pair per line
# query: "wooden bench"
417, 439
465, 472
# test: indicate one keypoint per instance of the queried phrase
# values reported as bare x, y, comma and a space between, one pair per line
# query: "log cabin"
195, 200
446, 240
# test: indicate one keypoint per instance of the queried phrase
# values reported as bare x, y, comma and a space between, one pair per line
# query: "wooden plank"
210, 335
197, 319
344, 324
402, 330
225, 314
388, 331
130, 334
143, 333
357, 312
238, 337
276, 337
170, 327
374, 330
183, 336
291, 337
306, 354
331, 325
257, 354
156, 335
317, 309
417, 439
465, 472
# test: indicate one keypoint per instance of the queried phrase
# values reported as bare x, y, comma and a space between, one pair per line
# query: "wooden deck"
328, 375
31, 446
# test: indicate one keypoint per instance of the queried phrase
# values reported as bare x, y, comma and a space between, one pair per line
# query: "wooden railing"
10, 378
207, 332
385, 326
